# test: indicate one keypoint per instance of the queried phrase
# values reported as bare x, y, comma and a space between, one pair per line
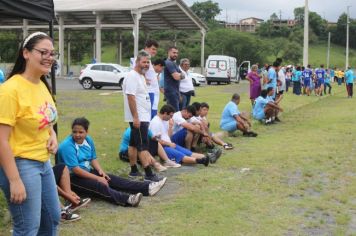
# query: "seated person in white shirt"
202, 113
162, 128
186, 134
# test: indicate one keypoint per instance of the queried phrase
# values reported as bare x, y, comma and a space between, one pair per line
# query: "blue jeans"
172, 99
185, 100
39, 214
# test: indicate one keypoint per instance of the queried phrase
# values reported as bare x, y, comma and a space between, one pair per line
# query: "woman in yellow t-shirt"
27, 138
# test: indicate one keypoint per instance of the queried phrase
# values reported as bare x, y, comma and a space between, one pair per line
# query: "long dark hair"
20, 63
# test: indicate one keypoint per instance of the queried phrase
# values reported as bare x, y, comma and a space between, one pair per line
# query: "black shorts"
58, 171
139, 137
153, 147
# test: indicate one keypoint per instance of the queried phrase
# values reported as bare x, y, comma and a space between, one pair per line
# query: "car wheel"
98, 86
218, 83
209, 82
194, 82
120, 82
87, 83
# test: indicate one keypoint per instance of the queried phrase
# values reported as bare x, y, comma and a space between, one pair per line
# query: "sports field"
296, 178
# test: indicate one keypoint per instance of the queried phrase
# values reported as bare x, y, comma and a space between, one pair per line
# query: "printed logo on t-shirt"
49, 115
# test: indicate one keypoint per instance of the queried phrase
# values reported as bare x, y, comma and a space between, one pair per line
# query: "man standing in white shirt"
186, 88
137, 109
151, 47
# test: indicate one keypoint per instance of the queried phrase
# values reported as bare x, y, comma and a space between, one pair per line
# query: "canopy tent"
41, 10
37, 10
116, 14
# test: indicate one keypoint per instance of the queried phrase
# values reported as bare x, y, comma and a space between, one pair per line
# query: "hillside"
317, 55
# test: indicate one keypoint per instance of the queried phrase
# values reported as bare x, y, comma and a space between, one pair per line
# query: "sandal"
68, 216
228, 146
83, 202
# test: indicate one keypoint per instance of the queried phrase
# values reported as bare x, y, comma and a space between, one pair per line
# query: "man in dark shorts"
137, 109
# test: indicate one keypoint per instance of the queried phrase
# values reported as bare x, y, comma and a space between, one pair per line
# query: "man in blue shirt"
272, 77
172, 77
320, 76
349, 78
232, 119
307, 74
327, 81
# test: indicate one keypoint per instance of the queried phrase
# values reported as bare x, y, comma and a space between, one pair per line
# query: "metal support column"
202, 55
98, 38
61, 44
136, 30
24, 28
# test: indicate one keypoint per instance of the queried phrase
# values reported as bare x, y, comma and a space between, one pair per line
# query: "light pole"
347, 38
328, 53
306, 34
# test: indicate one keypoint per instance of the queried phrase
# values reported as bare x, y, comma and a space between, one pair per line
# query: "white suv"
102, 74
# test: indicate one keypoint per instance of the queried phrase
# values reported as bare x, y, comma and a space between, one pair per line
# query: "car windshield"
122, 68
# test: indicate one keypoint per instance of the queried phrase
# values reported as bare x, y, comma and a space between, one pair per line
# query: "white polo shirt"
135, 84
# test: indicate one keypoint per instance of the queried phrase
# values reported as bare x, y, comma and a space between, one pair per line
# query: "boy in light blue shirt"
232, 119
266, 109
349, 78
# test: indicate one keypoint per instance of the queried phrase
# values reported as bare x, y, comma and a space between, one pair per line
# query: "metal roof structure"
128, 15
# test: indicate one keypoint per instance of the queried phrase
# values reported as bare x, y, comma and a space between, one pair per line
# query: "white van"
243, 70
220, 69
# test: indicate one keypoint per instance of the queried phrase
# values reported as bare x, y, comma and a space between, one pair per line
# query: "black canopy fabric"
41, 10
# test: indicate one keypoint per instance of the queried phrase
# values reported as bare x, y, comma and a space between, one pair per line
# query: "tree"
243, 46
338, 35
292, 53
265, 29
274, 17
316, 22
207, 11
277, 46
9, 43
299, 15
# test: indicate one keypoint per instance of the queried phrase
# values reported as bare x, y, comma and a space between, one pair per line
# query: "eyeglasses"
47, 54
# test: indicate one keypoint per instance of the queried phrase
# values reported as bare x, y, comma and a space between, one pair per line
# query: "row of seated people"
80, 171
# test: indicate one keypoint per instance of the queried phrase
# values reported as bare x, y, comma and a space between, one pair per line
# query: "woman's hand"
52, 144
17, 191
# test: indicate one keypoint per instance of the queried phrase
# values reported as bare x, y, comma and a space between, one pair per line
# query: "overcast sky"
239, 9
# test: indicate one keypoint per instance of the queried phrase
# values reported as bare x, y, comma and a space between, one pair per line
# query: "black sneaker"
212, 157
277, 119
217, 152
206, 161
153, 178
250, 134
135, 175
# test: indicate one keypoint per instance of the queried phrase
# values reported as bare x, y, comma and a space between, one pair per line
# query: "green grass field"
295, 178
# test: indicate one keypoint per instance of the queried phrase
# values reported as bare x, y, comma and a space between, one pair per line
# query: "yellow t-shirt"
29, 109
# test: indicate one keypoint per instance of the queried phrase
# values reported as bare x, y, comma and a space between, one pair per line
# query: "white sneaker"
134, 199
158, 167
171, 164
154, 187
